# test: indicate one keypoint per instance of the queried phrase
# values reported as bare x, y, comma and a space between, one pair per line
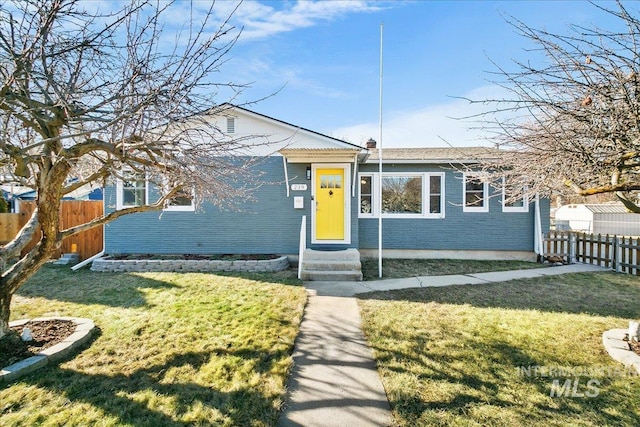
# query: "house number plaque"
299, 187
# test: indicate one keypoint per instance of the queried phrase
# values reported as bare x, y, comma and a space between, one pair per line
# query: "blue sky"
323, 58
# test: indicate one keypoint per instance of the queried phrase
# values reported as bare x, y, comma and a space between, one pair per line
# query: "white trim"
180, 208
177, 208
538, 238
231, 125
355, 176
286, 174
373, 195
505, 208
485, 195
376, 203
347, 202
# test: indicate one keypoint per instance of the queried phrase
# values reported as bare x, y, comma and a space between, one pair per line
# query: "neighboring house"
86, 192
606, 218
430, 208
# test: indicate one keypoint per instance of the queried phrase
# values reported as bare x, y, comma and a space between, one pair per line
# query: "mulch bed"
635, 347
45, 333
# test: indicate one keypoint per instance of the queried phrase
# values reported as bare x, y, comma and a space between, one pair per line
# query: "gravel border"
618, 349
85, 329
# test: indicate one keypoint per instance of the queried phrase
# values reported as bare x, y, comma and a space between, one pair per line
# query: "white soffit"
319, 155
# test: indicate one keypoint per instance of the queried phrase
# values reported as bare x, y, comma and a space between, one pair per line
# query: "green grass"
399, 268
173, 349
451, 356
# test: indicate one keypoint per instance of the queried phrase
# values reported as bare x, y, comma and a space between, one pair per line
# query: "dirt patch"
197, 257
46, 333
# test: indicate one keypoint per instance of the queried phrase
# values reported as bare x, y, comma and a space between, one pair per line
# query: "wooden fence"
618, 253
72, 212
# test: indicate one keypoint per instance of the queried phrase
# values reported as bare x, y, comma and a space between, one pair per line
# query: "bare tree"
571, 123
89, 96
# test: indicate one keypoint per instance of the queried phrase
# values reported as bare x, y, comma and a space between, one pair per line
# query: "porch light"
308, 172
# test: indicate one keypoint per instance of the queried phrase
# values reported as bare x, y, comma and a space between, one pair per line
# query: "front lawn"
399, 268
467, 355
173, 349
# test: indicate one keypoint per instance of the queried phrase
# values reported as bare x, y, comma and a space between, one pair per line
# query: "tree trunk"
5, 305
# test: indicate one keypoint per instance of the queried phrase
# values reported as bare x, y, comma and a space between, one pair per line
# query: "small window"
131, 190
366, 195
511, 204
476, 194
231, 125
182, 201
435, 194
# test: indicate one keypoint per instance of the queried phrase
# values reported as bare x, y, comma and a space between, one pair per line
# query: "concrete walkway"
349, 289
334, 380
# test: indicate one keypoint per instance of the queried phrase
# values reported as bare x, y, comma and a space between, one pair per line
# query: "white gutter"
538, 245
79, 265
286, 174
355, 176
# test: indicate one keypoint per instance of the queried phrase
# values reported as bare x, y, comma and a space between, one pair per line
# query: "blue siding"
268, 224
458, 230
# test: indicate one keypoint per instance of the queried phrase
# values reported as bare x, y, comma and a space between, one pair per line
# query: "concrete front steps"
342, 265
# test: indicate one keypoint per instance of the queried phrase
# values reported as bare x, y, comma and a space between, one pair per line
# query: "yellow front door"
329, 204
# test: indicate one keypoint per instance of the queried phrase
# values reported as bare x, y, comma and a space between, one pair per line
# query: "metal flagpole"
380, 165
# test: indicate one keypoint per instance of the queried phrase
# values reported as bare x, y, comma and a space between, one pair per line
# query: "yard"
399, 268
206, 349
466, 355
173, 349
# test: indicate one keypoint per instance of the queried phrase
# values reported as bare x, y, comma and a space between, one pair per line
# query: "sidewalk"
334, 381
349, 289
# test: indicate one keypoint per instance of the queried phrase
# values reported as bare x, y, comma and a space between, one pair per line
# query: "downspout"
100, 254
355, 176
537, 230
286, 173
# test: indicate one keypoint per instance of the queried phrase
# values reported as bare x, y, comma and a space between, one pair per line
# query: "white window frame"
376, 204
372, 213
181, 208
119, 192
230, 124
485, 194
506, 208
427, 196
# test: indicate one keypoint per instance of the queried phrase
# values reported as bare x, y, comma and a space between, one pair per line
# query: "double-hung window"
513, 202
366, 195
404, 195
476, 194
132, 190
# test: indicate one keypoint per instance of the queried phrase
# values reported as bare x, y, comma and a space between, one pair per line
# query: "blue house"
431, 206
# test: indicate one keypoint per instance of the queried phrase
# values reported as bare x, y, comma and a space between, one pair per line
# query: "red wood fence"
72, 212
